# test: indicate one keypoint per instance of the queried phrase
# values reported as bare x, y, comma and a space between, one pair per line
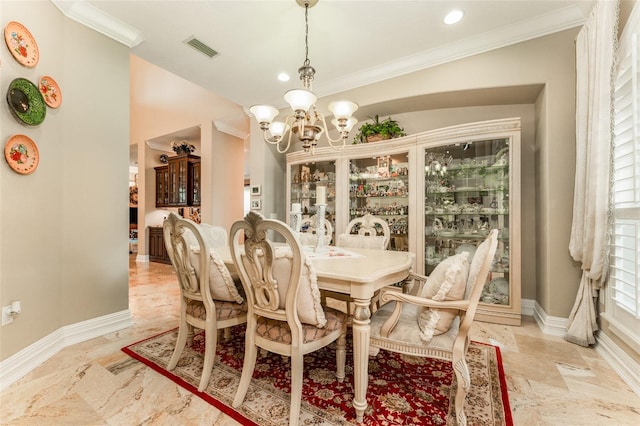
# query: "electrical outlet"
6, 318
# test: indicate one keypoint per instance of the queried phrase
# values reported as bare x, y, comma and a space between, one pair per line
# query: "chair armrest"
389, 295
401, 298
409, 286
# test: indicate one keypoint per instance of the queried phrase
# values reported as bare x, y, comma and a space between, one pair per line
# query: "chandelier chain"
306, 34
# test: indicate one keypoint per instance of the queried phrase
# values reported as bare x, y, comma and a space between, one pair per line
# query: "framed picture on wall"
256, 204
256, 190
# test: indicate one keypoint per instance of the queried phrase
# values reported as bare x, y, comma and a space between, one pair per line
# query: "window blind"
623, 304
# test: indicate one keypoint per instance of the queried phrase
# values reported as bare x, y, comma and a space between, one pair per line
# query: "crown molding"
159, 146
230, 130
100, 21
518, 32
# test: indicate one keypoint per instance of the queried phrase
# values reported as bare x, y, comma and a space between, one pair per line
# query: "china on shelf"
453, 208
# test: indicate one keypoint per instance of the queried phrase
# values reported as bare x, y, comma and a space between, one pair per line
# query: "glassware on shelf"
464, 198
380, 186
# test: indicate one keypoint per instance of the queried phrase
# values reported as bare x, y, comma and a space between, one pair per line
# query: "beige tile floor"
551, 382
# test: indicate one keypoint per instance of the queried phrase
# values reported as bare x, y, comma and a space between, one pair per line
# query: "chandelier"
305, 121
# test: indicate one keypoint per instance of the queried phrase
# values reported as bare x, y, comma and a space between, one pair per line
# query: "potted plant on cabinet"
378, 130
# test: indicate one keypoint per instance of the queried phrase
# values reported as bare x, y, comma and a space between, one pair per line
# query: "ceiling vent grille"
201, 47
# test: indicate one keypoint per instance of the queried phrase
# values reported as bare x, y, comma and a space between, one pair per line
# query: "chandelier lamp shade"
305, 121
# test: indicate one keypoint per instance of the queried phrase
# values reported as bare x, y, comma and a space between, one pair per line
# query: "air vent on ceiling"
201, 47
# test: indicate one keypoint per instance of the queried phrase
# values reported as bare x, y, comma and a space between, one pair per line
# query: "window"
623, 295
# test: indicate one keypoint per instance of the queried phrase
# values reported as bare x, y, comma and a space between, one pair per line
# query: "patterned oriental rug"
403, 390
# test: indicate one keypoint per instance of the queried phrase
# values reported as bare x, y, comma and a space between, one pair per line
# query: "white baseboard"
553, 326
626, 367
19, 364
143, 258
527, 307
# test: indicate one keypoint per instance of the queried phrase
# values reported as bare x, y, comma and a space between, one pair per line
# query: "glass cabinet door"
467, 195
380, 186
305, 178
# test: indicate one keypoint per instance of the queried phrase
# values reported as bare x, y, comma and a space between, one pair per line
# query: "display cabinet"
195, 174
470, 187
440, 191
305, 179
162, 186
380, 186
178, 183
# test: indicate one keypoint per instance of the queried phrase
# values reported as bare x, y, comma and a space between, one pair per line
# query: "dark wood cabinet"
196, 179
157, 249
162, 186
178, 183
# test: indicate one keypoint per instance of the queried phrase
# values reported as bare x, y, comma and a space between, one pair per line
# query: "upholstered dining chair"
285, 314
308, 236
434, 320
209, 299
216, 235
367, 232
363, 232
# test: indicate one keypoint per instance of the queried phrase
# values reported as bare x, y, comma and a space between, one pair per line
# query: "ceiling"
351, 43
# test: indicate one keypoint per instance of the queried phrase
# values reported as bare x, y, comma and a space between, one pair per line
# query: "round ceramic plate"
22, 154
21, 44
26, 102
50, 91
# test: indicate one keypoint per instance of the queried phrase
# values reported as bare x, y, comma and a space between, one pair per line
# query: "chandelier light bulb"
278, 129
344, 125
343, 109
264, 114
350, 123
300, 99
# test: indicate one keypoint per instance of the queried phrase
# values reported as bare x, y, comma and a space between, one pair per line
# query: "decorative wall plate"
50, 91
21, 154
21, 44
26, 102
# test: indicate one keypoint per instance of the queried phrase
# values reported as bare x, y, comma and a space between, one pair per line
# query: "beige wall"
549, 274
59, 251
60, 254
163, 103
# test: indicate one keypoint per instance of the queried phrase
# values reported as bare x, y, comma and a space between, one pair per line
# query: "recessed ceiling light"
283, 76
453, 17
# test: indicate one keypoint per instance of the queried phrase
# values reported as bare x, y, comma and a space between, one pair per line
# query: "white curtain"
595, 51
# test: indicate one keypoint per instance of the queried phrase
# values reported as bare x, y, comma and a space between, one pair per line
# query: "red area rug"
403, 390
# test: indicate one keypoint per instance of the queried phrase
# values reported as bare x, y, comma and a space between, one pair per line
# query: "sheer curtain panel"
595, 50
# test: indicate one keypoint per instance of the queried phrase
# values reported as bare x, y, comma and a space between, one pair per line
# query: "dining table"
358, 273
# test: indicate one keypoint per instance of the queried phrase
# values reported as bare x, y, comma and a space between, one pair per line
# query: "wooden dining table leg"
361, 336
